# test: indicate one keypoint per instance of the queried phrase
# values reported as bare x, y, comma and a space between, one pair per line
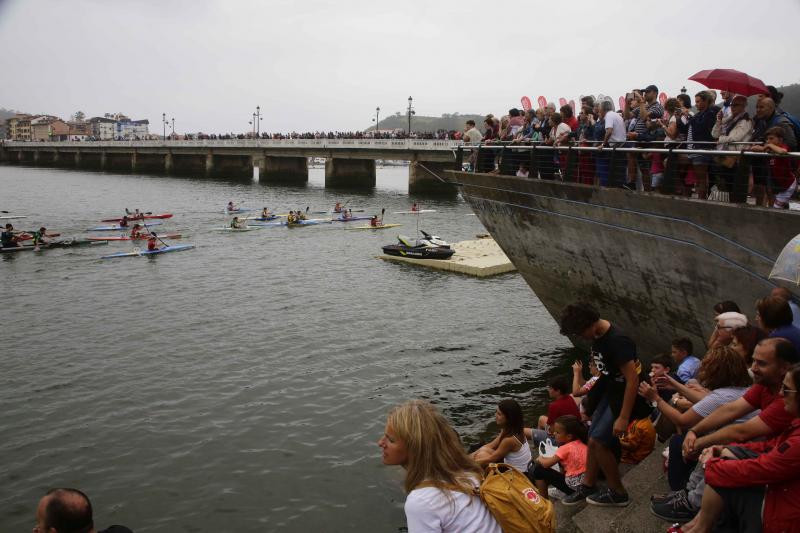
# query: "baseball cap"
651, 88
731, 320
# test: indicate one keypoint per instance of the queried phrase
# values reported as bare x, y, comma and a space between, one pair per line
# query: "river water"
242, 385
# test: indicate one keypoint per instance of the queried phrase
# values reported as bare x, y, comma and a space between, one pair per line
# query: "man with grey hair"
614, 136
68, 511
767, 117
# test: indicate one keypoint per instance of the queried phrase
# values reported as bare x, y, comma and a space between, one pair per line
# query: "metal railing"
723, 175
333, 144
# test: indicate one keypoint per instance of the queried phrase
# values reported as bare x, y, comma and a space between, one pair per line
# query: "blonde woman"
440, 476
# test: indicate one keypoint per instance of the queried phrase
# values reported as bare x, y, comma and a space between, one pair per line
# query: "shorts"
699, 159
603, 424
656, 179
783, 197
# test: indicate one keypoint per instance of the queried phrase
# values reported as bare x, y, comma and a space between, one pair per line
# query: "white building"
131, 129
102, 128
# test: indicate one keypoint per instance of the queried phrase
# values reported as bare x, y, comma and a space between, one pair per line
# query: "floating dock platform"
481, 258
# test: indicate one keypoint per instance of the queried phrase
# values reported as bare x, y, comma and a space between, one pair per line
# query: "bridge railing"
333, 144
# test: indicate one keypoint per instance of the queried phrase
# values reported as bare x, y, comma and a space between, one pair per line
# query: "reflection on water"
242, 385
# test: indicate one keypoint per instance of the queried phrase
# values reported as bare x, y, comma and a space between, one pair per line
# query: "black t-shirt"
610, 352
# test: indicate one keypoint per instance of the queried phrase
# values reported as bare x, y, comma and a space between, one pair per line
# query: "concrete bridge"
348, 162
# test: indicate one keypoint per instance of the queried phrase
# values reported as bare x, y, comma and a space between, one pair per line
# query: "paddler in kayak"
290, 218
152, 242
8, 239
265, 213
39, 236
124, 222
235, 224
136, 232
414, 207
232, 208
347, 214
338, 207
301, 215
375, 222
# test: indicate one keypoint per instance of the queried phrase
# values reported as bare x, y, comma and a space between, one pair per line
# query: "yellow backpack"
514, 502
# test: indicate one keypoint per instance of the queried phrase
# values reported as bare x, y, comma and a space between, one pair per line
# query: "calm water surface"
241, 386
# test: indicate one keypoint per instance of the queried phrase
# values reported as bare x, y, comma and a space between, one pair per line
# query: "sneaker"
609, 498
677, 510
555, 494
578, 496
666, 496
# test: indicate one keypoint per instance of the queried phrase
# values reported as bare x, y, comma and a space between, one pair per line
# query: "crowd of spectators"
728, 423
699, 124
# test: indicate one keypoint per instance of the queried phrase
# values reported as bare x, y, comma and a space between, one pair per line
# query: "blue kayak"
237, 211
126, 228
309, 222
162, 250
264, 219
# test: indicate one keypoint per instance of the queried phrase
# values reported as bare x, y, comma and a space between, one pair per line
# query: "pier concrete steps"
642, 481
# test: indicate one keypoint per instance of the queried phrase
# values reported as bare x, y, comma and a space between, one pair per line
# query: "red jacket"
777, 468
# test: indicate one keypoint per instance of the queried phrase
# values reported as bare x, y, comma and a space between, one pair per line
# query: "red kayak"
140, 217
28, 236
129, 238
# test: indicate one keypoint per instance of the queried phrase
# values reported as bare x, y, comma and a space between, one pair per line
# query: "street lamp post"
164, 123
410, 112
258, 120
173, 127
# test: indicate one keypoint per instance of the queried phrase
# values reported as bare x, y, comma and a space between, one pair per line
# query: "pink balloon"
622, 102
526, 103
662, 98
562, 101
572, 105
542, 101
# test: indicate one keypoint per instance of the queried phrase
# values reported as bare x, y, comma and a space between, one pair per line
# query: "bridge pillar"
56, 157
78, 158
349, 172
282, 169
103, 160
134, 162
428, 176
168, 162
209, 164
35, 156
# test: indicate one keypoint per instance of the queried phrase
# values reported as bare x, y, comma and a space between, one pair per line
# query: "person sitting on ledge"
571, 436
754, 486
510, 446
563, 404
774, 316
68, 511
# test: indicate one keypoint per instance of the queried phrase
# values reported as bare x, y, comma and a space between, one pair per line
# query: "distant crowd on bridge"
394, 134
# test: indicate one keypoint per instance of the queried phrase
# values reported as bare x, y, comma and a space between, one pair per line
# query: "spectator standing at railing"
727, 101
699, 137
585, 136
643, 116
598, 134
731, 128
767, 117
614, 136
568, 117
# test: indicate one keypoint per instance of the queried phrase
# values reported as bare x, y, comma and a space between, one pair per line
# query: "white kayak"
415, 212
162, 250
12, 217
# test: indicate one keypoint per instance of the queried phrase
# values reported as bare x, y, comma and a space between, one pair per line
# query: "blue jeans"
603, 425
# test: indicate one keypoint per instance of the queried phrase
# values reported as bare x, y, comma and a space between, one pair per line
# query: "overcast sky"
325, 65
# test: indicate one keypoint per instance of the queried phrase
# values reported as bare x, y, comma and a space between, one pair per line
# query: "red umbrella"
727, 79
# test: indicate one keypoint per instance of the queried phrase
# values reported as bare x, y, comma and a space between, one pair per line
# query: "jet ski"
430, 247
